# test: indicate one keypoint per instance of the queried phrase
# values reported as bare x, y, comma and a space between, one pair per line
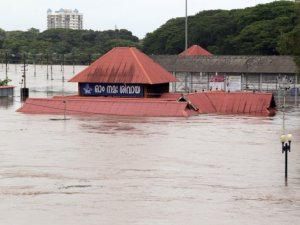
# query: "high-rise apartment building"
65, 18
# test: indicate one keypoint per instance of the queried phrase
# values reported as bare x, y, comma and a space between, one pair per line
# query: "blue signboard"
105, 89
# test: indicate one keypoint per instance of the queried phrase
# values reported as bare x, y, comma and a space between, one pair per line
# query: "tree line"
62, 44
266, 29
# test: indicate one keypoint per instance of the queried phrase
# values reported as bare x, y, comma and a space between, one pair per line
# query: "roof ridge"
140, 64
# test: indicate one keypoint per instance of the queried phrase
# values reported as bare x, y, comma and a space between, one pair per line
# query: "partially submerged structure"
127, 82
6, 91
255, 73
124, 72
195, 50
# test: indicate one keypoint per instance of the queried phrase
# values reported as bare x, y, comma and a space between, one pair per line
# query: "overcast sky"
138, 16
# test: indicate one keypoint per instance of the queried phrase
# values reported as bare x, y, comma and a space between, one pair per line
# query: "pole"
286, 162
24, 90
64, 101
6, 66
283, 112
24, 67
47, 66
61, 64
186, 26
278, 89
286, 141
90, 59
295, 89
34, 66
73, 65
65, 108
62, 67
51, 69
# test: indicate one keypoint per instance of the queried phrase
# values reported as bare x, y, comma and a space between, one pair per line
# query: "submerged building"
65, 18
195, 50
196, 71
126, 82
124, 72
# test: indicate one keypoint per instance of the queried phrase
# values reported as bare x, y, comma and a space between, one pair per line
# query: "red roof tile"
124, 65
168, 105
6, 87
195, 50
232, 103
107, 106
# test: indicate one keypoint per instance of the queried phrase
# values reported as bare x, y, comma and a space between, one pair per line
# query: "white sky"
138, 16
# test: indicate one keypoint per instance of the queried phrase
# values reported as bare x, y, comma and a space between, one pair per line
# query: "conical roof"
195, 50
124, 65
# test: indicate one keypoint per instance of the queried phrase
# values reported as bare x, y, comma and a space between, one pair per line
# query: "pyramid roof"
124, 65
195, 50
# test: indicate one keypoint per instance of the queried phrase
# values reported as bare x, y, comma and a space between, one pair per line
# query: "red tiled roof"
107, 106
195, 50
232, 103
6, 87
124, 65
167, 105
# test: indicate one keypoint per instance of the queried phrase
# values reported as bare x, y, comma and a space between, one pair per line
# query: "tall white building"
65, 18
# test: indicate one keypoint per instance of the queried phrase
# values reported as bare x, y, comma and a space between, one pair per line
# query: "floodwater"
207, 169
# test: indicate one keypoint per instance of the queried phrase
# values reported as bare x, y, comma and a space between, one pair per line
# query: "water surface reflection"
6, 102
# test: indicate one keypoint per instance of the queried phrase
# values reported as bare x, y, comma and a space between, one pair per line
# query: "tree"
253, 30
2, 37
71, 43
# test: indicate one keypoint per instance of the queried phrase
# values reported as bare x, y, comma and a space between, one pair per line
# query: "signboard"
110, 89
233, 83
216, 83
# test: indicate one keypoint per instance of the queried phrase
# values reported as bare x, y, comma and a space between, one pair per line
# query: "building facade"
65, 18
232, 73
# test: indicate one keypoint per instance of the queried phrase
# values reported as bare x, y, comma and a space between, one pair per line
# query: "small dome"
49, 11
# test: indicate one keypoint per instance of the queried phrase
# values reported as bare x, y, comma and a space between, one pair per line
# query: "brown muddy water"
207, 169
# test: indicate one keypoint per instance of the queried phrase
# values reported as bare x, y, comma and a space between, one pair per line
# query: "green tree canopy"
266, 29
253, 30
64, 41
